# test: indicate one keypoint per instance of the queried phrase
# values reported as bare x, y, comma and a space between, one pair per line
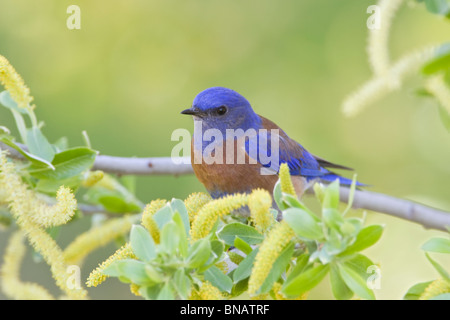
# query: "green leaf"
178, 205
242, 245
444, 274
292, 201
332, 218
441, 7
162, 216
67, 164
183, 240
218, 279
170, 237
277, 196
361, 264
153, 274
198, 254
244, 269
239, 288
243, 231
216, 252
441, 60
217, 248
347, 229
62, 144
352, 226
351, 196
367, 237
300, 267
303, 224
166, 292
182, 284
142, 243
440, 245
443, 296
340, 290
422, 92
278, 268
305, 281
331, 196
114, 202
335, 243
150, 292
355, 282
38, 144
129, 269
7, 101
35, 160
416, 291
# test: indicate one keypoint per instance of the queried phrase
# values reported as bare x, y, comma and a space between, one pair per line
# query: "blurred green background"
134, 65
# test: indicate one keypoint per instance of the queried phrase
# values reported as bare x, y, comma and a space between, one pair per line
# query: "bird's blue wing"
300, 161
274, 149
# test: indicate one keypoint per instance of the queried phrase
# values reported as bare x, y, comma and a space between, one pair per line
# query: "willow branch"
129, 165
143, 166
427, 216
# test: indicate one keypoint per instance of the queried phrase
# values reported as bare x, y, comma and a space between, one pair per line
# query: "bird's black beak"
192, 111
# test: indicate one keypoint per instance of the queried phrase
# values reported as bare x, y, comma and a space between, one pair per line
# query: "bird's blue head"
222, 108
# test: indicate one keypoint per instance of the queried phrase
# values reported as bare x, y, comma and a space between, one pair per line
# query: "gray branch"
143, 166
428, 217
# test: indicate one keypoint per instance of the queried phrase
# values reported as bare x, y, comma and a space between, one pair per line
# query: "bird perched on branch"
236, 150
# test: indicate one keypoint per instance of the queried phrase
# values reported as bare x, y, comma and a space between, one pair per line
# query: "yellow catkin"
26, 202
97, 276
108, 182
208, 215
264, 296
379, 86
52, 254
95, 238
134, 289
14, 83
285, 180
223, 266
208, 292
377, 49
11, 284
437, 287
92, 178
147, 218
259, 203
235, 257
194, 295
57, 214
277, 239
194, 202
22, 210
280, 296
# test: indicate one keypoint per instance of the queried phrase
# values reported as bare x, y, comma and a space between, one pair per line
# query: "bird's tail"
330, 177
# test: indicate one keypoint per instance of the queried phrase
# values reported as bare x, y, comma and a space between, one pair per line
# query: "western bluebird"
231, 147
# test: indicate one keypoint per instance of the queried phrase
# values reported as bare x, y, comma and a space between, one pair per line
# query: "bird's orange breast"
225, 175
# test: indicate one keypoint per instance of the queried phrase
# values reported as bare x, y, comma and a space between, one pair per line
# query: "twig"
93, 209
428, 217
128, 166
143, 166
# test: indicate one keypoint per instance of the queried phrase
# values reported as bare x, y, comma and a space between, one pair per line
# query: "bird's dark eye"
221, 110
